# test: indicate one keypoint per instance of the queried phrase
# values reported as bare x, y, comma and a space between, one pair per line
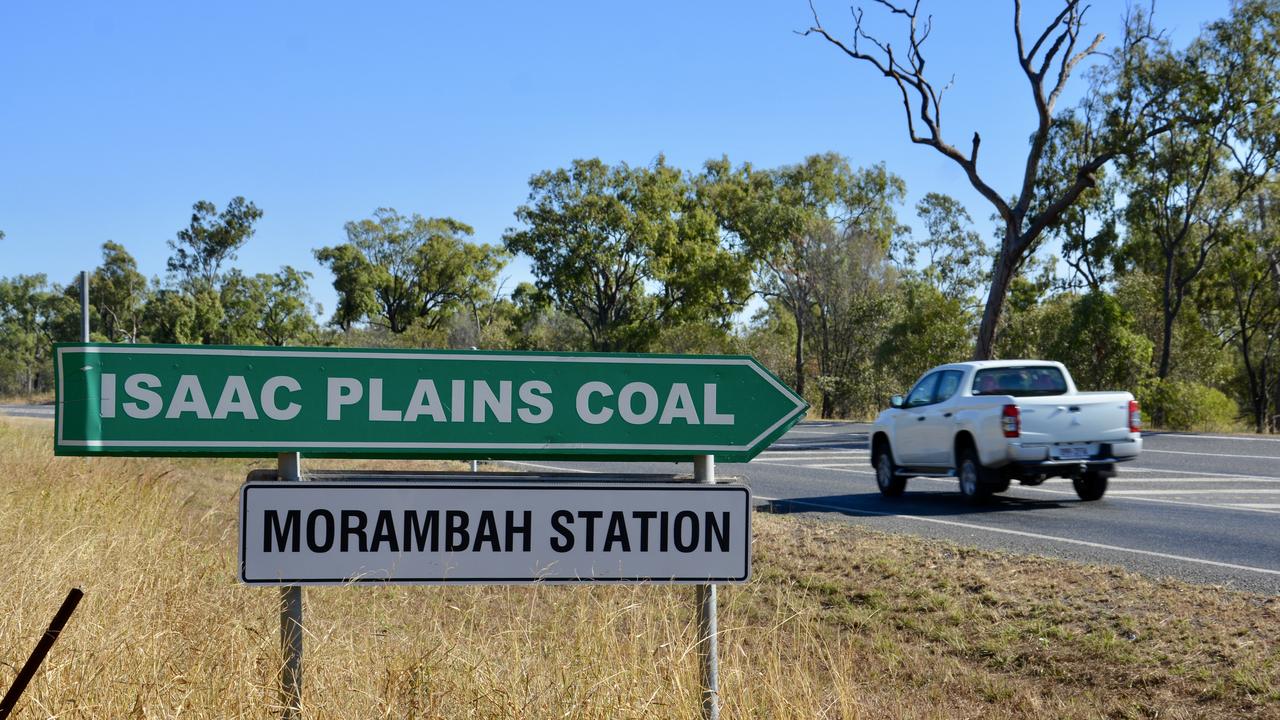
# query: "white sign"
335, 532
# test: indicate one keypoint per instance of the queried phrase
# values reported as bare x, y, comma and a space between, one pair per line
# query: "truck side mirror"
896, 401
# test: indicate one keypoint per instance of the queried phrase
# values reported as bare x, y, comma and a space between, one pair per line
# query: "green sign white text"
257, 401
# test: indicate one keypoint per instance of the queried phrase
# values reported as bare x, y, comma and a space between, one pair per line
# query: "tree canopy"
211, 239
627, 251
395, 270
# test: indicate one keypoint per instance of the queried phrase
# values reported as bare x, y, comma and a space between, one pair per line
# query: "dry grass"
839, 622
40, 398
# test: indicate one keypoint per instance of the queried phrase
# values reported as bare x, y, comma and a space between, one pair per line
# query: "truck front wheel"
887, 479
1092, 485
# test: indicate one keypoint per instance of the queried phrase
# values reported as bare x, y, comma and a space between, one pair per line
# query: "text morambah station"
484, 531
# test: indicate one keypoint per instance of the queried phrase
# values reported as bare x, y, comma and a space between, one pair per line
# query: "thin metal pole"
84, 306
704, 471
289, 468
29, 669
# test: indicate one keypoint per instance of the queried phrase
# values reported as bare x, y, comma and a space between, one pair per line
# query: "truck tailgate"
1078, 418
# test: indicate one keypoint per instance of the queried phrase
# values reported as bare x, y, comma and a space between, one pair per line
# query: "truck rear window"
1020, 381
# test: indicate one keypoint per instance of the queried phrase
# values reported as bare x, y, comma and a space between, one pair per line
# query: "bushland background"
1142, 249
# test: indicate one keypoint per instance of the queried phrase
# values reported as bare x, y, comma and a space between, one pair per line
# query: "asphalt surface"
1201, 508
1196, 507
37, 411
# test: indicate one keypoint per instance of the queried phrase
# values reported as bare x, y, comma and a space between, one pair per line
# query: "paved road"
39, 411
1197, 507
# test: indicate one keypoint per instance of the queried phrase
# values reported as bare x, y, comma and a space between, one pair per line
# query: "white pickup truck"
992, 422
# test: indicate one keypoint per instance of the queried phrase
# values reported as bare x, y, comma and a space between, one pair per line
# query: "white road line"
1162, 501
547, 467
860, 467
814, 454
1239, 507
799, 466
1129, 469
1256, 506
1215, 437
1021, 533
813, 432
1193, 491
798, 447
844, 468
864, 459
832, 468
1126, 480
1205, 454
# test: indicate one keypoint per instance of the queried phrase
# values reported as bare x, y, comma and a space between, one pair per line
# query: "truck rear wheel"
973, 476
1092, 485
887, 479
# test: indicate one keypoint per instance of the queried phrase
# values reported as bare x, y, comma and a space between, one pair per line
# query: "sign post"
330, 402
84, 306
289, 469
704, 472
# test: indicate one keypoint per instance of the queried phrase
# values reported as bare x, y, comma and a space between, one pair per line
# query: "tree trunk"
1257, 391
1001, 276
799, 356
1268, 398
1170, 313
824, 368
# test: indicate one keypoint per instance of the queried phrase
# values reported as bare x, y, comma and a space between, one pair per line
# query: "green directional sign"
328, 402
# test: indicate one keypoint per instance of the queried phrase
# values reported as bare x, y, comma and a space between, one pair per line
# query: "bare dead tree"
1047, 64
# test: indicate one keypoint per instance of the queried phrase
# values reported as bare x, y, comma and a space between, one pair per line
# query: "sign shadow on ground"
922, 504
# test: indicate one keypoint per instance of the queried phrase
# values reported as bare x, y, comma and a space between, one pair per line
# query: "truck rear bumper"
1043, 454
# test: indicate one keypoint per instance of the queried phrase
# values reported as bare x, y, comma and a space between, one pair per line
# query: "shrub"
1184, 405
1098, 343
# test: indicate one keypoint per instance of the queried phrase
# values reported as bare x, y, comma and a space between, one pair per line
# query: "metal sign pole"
704, 471
289, 468
84, 306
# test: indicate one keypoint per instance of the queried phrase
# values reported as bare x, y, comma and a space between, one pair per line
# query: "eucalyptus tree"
170, 316
1121, 116
119, 295
211, 239
267, 308
1188, 188
627, 251
33, 315
950, 253
1088, 232
1247, 277
853, 306
791, 221
395, 270
1100, 343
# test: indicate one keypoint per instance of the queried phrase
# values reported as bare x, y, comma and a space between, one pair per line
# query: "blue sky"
116, 117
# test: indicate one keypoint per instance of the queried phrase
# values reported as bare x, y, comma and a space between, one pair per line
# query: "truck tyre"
887, 479
972, 476
1092, 485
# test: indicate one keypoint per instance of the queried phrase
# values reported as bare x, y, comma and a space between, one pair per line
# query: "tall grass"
838, 623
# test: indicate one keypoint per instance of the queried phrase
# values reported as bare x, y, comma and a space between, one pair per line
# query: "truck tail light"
1135, 417
1011, 421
